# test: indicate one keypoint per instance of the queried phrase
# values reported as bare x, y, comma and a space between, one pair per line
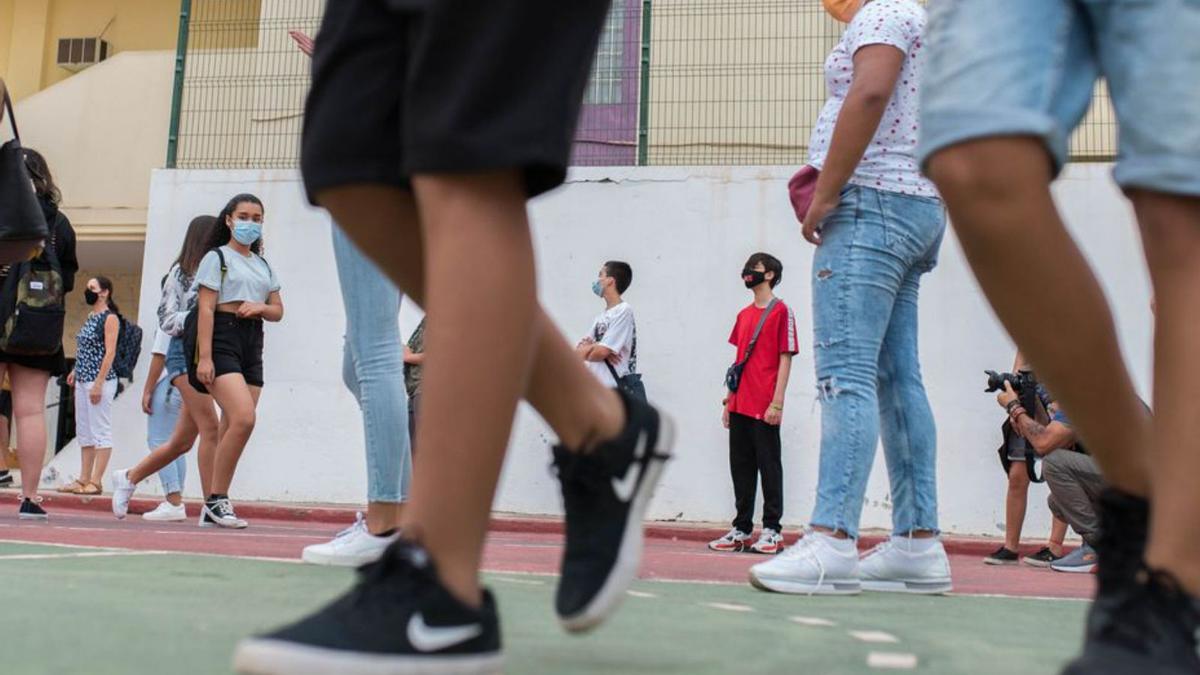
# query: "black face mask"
90, 296
753, 278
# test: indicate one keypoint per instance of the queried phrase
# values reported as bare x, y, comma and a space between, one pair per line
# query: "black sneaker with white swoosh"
606, 493
398, 620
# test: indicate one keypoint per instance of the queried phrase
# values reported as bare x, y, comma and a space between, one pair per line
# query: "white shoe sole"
1083, 569
325, 559
33, 516
793, 587
165, 519
237, 524
912, 587
632, 540
257, 656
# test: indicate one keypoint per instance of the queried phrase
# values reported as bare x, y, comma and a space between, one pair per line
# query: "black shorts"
458, 86
237, 347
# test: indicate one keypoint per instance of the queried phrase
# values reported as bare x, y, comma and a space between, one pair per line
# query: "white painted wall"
686, 231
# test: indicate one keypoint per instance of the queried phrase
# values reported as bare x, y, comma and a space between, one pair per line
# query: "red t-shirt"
761, 374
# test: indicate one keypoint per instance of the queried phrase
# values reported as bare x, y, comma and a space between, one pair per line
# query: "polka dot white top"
890, 162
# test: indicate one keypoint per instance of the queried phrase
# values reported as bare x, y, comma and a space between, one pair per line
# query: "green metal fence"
675, 82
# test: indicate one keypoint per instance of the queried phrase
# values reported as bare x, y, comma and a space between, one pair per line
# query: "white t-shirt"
615, 329
162, 341
246, 278
890, 162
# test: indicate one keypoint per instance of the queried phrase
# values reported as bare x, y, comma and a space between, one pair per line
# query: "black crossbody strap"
757, 331
12, 118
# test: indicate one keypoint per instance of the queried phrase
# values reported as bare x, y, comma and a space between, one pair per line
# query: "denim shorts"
1029, 67
176, 360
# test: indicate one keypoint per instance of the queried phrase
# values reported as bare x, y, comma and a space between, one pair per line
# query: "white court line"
524, 582
891, 661
813, 621
641, 594
873, 636
728, 606
81, 554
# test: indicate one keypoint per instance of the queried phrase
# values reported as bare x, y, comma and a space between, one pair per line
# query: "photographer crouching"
1071, 474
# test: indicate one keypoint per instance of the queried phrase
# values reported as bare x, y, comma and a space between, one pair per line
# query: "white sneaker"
352, 547
221, 513
769, 542
168, 513
122, 492
733, 541
814, 565
895, 567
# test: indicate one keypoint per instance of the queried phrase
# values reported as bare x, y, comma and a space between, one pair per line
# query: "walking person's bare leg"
998, 194
1171, 235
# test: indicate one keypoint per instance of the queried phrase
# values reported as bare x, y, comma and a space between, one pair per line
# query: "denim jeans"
866, 276
373, 369
165, 405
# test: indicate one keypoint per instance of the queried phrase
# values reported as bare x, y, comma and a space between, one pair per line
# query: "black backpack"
129, 347
31, 304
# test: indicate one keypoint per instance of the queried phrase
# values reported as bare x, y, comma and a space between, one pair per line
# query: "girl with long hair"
95, 383
174, 423
29, 374
237, 292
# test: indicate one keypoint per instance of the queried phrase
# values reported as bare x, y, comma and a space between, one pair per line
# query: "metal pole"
643, 140
185, 15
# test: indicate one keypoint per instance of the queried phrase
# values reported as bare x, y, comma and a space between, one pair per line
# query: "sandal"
90, 488
73, 487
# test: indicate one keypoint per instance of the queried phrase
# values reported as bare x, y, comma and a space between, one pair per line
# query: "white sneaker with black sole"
398, 620
904, 565
220, 512
352, 547
606, 493
122, 493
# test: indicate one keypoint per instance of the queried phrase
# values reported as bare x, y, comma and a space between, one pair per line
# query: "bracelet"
775, 406
1012, 404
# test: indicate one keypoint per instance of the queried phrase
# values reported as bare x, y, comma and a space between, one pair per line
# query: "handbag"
733, 376
631, 384
801, 189
23, 226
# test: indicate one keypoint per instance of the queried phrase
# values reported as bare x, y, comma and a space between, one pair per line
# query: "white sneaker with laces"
122, 492
733, 541
769, 542
814, 565
167, 512
352, 547
897, 566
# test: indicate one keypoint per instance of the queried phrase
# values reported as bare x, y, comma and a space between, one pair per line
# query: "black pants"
754, 450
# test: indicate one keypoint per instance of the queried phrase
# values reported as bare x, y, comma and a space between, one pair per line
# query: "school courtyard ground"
129, 597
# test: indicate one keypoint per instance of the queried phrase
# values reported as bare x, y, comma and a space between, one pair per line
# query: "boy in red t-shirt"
754, 411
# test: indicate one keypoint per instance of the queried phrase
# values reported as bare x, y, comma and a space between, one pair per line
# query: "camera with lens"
1022, 381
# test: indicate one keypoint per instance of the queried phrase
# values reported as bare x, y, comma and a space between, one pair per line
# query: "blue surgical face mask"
598, 288
246, 232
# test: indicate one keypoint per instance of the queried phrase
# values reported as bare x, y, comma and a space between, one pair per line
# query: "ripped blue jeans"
866, 277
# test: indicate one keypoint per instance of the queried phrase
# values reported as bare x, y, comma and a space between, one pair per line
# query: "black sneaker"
1151, 628
1002, 556
1120, 548
606, 493
205, 521
1042, 558
220, 512
6, 479
398, 620
32, 510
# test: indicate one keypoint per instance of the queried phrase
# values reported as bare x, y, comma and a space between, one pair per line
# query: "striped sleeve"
788, 342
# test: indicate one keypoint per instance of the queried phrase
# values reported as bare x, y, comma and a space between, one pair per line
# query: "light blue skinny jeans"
866, 276
373, 369
166, 402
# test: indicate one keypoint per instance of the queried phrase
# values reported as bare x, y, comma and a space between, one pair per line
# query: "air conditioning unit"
78, 53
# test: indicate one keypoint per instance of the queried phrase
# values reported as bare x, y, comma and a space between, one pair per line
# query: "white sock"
839, 545
913, 544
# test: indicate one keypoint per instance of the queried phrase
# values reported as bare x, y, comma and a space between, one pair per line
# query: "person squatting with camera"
1071, 474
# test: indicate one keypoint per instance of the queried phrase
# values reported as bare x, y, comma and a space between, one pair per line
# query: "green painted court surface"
74, 610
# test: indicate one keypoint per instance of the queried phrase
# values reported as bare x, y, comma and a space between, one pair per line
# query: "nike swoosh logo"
625, 486
426, 638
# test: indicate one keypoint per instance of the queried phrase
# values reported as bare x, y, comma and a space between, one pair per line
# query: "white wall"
686, 231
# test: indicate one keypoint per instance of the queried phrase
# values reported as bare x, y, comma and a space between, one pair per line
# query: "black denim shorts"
237, 347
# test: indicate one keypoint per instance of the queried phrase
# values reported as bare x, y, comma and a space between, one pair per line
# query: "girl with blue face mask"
236, 291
